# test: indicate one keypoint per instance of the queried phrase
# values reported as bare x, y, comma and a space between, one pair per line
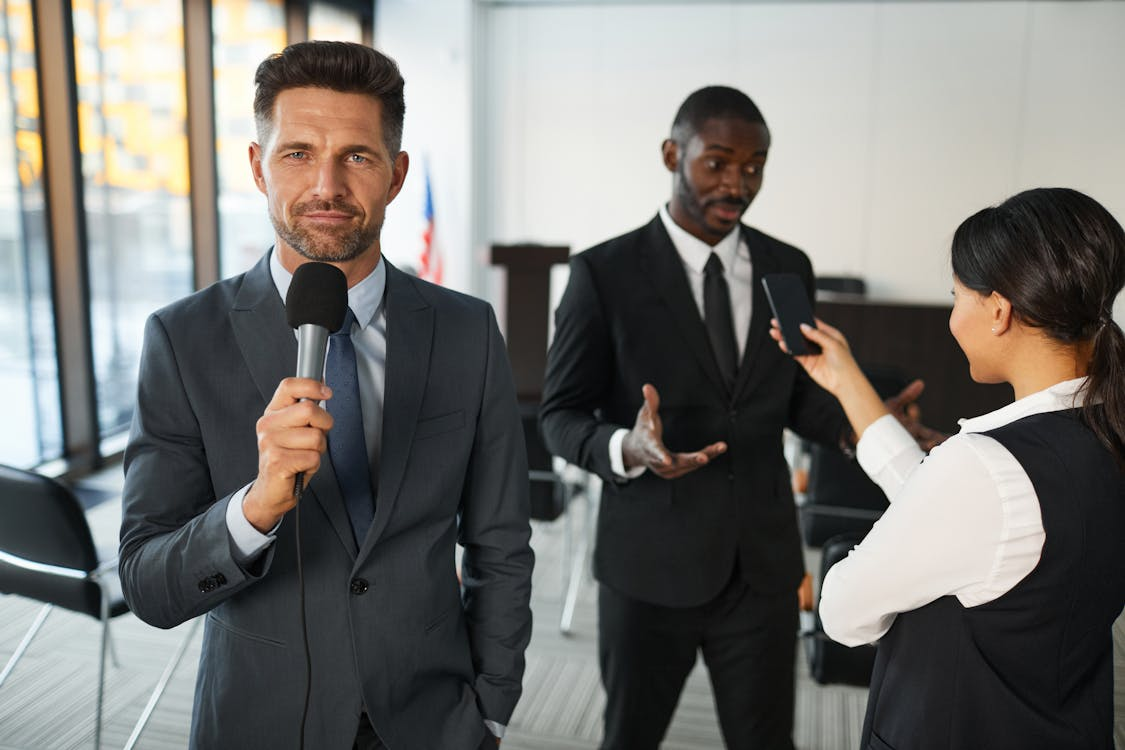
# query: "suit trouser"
748, 642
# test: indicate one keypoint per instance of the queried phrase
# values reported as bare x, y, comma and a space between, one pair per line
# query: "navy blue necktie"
718, 320
346, 445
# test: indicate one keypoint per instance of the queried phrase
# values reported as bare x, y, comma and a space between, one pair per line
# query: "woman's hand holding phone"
835, 370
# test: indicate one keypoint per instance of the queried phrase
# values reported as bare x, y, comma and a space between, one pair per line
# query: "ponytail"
1104, 409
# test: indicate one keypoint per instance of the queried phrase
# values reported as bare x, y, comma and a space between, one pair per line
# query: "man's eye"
296, 155
753, 169
357, 158
713, 164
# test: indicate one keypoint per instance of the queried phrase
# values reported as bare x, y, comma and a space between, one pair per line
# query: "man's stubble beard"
324, 246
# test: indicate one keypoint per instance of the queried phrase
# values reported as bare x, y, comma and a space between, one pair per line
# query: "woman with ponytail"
993, 579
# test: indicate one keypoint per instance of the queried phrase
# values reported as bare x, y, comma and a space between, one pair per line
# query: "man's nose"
737, 182
329, 179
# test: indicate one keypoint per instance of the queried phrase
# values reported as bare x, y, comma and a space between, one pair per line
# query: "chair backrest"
42, 522
841, 284
837, 482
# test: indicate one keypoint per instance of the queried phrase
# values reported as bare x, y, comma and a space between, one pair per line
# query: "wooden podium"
526, 321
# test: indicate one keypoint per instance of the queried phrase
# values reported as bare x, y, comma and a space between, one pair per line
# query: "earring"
994, 329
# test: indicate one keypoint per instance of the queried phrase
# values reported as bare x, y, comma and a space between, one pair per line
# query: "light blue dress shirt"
370, 341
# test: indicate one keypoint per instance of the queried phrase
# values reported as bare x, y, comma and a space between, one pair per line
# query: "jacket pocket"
441, 618
876, 743
240, 633
432, 426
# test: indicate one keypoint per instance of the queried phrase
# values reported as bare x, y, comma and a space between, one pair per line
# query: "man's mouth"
728, 210
325, 212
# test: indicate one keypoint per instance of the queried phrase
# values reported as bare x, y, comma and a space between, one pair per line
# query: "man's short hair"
340, 66
712, 102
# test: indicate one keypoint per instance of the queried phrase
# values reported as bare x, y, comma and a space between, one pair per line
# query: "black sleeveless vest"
1034, 668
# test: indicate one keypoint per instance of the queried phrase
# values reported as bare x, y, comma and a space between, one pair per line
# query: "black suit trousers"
747, 640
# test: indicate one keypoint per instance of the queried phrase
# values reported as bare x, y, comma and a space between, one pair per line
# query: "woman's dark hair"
1059, 257
340, 66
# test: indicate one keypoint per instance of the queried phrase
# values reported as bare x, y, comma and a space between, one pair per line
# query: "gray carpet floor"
48, 701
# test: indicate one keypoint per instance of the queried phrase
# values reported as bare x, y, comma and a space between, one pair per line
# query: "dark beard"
696, 207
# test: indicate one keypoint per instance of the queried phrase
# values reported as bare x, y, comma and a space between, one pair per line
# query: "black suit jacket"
628, 318
390, 629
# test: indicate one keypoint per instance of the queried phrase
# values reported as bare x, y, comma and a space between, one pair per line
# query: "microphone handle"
312, 344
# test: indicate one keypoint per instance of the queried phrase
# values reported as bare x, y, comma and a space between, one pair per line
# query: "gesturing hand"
644, 445
905, 409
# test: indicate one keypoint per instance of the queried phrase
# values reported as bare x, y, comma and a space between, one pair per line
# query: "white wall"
891, 121
431, 41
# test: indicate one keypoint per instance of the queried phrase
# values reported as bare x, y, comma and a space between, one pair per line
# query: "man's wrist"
617, 457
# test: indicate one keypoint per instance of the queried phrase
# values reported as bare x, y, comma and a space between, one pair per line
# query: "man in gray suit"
321, 631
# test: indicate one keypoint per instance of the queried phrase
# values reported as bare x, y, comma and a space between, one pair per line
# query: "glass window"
328, 20
28, 362
245, 33
129, 61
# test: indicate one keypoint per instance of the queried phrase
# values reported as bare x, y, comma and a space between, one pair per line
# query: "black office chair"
840, 498
841, 285
831, 662
47, 554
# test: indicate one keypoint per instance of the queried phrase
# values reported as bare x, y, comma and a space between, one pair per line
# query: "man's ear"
256, 167
1001, 310
398, 175
670, 152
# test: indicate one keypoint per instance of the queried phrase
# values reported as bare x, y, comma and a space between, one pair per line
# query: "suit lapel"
269, 349
761, 263
663, 265
410, 329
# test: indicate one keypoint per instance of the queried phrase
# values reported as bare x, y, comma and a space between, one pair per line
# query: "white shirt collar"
693, 251
1065, 395
365, 298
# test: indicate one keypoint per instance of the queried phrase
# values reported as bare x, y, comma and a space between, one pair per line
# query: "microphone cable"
298, 493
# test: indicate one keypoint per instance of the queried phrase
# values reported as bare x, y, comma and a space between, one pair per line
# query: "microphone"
316, 305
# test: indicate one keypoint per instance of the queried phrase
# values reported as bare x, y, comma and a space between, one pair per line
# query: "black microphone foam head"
318, 295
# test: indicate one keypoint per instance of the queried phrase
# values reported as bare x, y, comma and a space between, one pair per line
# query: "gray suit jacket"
390, 630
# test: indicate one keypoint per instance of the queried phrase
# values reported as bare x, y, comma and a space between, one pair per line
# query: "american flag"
429, 262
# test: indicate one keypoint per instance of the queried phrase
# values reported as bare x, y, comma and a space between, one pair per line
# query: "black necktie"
346, 445
718, 319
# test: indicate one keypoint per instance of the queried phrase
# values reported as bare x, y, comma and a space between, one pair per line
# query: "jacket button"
358, 586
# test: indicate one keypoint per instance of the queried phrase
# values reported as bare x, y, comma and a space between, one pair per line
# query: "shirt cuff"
247, 542
496, 729
617, 460
888, 454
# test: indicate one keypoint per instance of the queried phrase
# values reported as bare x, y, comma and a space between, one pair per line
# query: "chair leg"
104, 617
46, 610
158, 691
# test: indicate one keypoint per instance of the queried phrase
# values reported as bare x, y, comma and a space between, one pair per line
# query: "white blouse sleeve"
888, 454
964, 522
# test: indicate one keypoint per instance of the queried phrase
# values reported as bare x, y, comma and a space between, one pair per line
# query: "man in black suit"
666, 329
400, 654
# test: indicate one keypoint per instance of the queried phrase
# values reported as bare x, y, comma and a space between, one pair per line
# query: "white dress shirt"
694, 253
370, 342
963, 521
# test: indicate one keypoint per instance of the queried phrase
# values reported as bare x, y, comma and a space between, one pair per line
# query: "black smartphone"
789, 302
